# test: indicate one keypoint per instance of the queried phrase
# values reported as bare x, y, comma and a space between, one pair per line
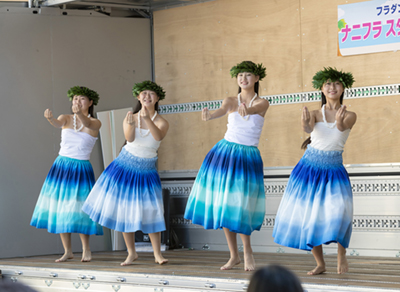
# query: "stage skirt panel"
127, 197
59, 206
317, 206
229, 189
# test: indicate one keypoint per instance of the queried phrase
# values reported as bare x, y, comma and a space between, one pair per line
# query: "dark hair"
256, 87
274, 278
8, 286
91, 110
323, 101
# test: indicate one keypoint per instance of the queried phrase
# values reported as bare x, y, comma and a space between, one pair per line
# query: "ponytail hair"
305, 143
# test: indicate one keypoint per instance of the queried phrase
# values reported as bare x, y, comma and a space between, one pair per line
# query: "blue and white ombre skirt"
229, 189
317, 206
127, 197
59, 206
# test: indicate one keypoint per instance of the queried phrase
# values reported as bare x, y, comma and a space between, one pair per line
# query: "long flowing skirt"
59, 206
127, 197
317, 206
229, 189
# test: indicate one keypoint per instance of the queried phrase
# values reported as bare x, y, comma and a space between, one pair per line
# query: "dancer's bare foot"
318, 270
231, 263
159, 259
86, 256
130, 259
66, 256
249, 262
342, 264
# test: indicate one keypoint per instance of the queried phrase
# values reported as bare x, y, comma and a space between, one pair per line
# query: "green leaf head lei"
333, 75
148, 85
249, 66
84, 91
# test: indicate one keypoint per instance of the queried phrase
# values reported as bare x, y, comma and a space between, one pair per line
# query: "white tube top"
245, 132
77, 145
145, 147
328, 139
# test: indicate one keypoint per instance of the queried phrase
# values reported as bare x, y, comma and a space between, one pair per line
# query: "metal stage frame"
193, 270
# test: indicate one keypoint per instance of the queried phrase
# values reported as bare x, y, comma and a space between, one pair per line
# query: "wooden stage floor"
365, 272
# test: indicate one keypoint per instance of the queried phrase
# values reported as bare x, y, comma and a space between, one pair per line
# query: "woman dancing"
127, 197
228, 192
317, 206
59, 206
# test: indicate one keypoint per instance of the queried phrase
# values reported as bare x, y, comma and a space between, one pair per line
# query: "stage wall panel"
195, 46
43, 55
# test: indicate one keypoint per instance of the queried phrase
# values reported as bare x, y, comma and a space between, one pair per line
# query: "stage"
192, 270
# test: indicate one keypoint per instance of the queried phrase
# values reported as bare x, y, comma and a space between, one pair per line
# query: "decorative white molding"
179, 190
269, 221
376, 223
179, 221
361, 186
275, 187
376, 187
360, 223
289, 98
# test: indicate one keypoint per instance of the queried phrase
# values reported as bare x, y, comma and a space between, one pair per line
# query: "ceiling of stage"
141, 7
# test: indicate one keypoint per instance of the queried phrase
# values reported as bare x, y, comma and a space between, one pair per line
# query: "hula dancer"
317, 206
71, 177
229, 189
127, 197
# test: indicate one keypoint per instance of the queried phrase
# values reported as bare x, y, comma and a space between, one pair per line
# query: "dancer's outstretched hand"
129, 118
48, 114
306, 117
205, 114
